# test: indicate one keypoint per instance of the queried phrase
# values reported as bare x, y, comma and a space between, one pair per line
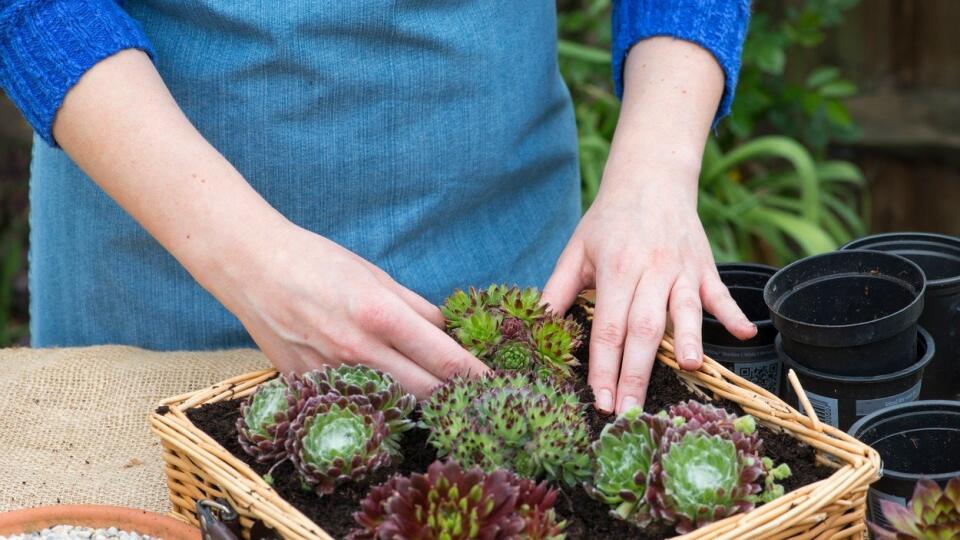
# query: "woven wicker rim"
830, 508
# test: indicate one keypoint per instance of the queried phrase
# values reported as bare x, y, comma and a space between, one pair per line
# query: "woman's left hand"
645, 251
641, 244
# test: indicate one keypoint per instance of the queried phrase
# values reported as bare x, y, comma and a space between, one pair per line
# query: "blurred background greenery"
846, 122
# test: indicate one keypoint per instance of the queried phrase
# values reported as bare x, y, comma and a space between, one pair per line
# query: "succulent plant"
708, 466
622, 457
931, 514
337, 439
266, 415
375, 387
555, 340
498, 323
513, 355
452, 503
515, 420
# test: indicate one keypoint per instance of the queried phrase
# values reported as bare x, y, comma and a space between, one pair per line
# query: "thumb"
568, 280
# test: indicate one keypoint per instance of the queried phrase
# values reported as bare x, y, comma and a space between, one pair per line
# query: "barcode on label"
825, 407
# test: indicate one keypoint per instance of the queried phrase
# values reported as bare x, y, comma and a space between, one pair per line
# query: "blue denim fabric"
435, 139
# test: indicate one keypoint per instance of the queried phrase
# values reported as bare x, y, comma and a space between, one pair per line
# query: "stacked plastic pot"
869, 330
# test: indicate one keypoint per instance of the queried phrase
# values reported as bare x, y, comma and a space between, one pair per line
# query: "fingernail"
605, 400
628, 403
692, 355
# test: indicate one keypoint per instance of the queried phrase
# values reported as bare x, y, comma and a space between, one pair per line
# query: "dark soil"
586, 518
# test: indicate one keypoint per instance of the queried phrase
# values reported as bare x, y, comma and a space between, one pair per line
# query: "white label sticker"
876, 513
867, 406
765, 374
826, 408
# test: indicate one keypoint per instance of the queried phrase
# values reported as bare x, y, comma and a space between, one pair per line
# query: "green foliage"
762, 197
931, 514
452, 503
510, 328
515, 420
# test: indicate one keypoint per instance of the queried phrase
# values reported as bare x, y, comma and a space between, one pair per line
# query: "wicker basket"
198, 467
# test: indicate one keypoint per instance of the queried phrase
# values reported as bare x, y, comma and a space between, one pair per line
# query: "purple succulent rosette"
452, 503
266, 415
337, 439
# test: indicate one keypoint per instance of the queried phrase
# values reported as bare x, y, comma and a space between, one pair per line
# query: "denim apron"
433, 138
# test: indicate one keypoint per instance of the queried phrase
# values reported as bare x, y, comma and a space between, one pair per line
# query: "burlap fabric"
73, 422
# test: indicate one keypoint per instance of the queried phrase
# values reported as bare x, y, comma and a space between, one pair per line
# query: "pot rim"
914, 236
923, 337
745, 268
96, 515
860, 425
836, 330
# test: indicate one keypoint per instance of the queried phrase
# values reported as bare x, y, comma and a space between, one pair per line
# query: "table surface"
74, 422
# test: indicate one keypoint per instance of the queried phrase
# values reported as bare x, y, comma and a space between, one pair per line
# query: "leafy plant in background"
767, 191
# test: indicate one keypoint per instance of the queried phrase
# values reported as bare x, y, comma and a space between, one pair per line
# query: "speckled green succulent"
515, 420
509, 326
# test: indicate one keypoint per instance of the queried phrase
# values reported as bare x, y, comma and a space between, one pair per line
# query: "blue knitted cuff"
718, 26
47, 45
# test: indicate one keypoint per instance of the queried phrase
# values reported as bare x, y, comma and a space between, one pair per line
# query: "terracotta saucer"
90, 515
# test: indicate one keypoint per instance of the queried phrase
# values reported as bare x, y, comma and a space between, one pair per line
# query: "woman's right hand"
308, 301
305, 300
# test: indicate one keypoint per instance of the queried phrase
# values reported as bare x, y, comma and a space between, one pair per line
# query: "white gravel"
74, 532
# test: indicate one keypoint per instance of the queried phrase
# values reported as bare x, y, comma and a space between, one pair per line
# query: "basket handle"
802, 396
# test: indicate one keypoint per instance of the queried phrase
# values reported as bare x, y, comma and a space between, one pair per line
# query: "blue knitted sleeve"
718, 26
47, 45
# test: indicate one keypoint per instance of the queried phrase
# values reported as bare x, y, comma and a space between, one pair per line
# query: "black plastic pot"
915, 440
848, 312
939, 258
840, 400
755, 359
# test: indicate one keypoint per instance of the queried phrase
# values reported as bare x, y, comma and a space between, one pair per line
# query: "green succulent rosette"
337, 439
372, 386
622, 458
708, 467
266, 415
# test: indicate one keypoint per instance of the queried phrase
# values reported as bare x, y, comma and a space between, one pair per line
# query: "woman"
316, 177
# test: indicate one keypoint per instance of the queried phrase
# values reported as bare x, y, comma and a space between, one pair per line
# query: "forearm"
671, 92
123, 128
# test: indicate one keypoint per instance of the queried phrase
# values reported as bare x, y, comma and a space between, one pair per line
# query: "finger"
615, 286
687, 316
412, 377
717, 300
645, 325
431, 348
419, 304
567, 281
